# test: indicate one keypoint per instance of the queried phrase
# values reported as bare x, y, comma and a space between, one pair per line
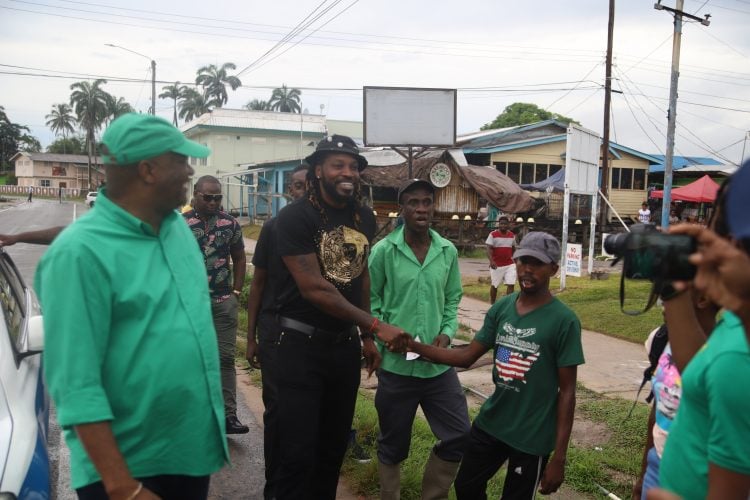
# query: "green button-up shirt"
419, 298
129, 339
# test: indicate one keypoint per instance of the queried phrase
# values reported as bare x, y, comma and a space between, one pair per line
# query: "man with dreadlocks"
323, 294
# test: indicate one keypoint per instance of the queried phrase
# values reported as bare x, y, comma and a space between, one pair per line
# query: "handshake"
398, 341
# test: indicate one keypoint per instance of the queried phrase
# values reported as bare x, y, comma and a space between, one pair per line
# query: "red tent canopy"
701, 191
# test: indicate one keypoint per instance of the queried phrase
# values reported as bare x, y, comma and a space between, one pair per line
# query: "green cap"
134, 137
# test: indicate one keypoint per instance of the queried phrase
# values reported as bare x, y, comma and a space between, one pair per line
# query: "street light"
153, 73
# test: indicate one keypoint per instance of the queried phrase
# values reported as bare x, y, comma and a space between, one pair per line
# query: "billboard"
402, 116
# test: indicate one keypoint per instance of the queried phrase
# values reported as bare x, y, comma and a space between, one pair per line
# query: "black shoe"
234, 426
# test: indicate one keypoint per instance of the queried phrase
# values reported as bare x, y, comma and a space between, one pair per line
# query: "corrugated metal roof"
258, 120
680, 162
53, 157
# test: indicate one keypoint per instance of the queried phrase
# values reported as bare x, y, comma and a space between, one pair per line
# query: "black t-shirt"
267, 258
341, 246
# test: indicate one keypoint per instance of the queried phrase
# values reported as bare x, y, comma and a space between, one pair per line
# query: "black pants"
317, 391
483, 458
167, 487
268, 337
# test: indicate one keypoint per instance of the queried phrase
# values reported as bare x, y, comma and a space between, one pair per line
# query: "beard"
329, 188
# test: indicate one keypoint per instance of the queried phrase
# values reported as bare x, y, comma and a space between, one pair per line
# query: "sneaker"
234, 426
359, 454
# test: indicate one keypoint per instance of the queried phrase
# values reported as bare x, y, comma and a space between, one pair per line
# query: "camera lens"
615, 244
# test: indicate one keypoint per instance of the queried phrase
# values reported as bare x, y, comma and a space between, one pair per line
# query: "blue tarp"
556, 180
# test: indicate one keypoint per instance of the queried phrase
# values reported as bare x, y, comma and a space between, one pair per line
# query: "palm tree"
90, 103
285, 100
192, 103
214, 81
61, 121
117, 106
172, 92
258, 105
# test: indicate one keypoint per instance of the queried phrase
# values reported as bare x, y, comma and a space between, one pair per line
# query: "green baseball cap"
134, 137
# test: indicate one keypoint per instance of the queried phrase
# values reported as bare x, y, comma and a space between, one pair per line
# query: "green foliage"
172, 92
214, 80
522, 113
597, 304
14, 138
285, 100
258, 105
192, 103
61, 120
70, 146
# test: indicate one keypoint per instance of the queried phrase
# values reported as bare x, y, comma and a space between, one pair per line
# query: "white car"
24, 404
91, 198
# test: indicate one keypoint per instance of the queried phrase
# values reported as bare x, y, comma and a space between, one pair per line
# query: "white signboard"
573, 259
409, 116
582, 160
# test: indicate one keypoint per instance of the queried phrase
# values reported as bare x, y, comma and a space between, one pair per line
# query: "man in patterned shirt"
219, 237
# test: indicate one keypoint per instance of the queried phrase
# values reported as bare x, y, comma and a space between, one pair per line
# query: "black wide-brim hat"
337, 144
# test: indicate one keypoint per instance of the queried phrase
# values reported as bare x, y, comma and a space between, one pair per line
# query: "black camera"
652, 255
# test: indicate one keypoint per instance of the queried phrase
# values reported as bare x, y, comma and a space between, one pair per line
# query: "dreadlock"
314, 195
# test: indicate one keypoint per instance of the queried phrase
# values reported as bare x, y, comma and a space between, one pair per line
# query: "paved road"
243, 479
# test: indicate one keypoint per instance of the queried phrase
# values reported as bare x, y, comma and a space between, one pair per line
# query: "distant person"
644, 214
220, 241
536, 343
415, 282
500, 244
323, 295
31, 194
59, 194
261, 323
673, 219
130, 356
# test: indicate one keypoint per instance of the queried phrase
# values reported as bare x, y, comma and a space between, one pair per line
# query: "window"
45, 183
514, 171
628, 178
553, 169
540, 173
615, 175
12, 299
639, 179
527, 173
501, 167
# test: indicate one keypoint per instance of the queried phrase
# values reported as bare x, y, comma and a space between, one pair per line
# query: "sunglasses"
208, 198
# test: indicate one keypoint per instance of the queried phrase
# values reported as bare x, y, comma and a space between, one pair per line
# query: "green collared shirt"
129, 339
422, 298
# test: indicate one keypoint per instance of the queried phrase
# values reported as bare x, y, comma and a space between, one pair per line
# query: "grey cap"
410, 184
542, 246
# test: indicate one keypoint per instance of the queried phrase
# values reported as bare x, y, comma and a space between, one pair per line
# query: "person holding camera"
707, 455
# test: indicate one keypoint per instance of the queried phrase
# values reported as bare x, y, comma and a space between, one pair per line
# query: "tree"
258, 105
214, 81
61, 120
91, 105
522, 113
285, 100
192, 103
70, 145
172, 92
14, 138
117, 106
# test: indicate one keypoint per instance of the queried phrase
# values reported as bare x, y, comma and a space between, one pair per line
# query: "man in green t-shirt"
536, 343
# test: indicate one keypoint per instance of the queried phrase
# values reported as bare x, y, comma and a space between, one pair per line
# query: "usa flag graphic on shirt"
512, 365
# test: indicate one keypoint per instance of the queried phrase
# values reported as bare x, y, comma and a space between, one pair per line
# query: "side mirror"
35, 338
36, 334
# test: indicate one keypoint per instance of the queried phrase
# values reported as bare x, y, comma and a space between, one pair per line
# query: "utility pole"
153, 87
672, 113
607, 104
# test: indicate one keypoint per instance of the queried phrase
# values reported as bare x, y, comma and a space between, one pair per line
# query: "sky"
550, 53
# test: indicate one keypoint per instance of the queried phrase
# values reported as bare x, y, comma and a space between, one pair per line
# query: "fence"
51, 192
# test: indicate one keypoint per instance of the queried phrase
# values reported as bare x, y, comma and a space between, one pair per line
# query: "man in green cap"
131, 358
